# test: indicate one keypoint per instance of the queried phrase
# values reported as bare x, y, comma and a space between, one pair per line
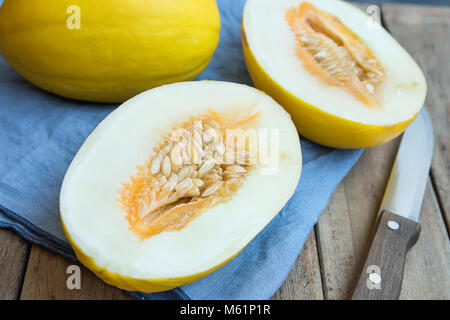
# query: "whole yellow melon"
107, 50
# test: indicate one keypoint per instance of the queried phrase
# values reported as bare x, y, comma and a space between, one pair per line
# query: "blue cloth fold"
40, 133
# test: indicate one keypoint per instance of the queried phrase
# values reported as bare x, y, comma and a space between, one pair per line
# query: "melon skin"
147, 285
319, 122
128, 283
96, 226
122, 47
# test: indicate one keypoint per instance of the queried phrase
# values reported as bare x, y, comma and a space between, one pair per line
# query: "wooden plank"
304, 281
424, 31
46, 278
427, 267
344, 232
345, 227
13, 260
429, 25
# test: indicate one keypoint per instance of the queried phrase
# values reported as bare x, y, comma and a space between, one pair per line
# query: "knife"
397, 228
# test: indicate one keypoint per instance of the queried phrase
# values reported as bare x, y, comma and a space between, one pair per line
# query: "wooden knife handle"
382, 275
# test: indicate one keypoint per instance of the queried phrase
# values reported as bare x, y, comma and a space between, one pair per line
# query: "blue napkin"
40, 133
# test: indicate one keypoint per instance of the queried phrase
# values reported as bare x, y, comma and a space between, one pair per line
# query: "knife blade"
397, 228
408, 179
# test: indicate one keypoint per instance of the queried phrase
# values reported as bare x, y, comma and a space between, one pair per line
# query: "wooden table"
329, 264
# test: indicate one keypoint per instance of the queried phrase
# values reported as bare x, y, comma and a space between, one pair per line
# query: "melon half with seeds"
177, 181
345, 80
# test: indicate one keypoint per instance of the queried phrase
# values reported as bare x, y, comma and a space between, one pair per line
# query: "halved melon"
345, 81
177, 181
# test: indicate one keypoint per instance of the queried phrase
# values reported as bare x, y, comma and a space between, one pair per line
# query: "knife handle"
382, 275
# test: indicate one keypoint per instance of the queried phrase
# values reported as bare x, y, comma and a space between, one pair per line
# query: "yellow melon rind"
136, 284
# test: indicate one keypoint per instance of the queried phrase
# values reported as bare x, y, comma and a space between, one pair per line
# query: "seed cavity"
335, 54
191, 169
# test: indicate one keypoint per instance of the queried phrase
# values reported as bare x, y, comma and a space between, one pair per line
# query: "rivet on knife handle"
382, 274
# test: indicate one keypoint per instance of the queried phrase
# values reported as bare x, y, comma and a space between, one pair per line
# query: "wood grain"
427, 267
13, 261
386, 258
46, 278
425, 32
304, 281
344, 233
345, 227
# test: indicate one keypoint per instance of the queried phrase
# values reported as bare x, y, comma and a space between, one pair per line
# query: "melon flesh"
275, 33
97, 225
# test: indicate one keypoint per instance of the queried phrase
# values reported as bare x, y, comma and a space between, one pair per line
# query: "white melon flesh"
274, 45
96, 224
